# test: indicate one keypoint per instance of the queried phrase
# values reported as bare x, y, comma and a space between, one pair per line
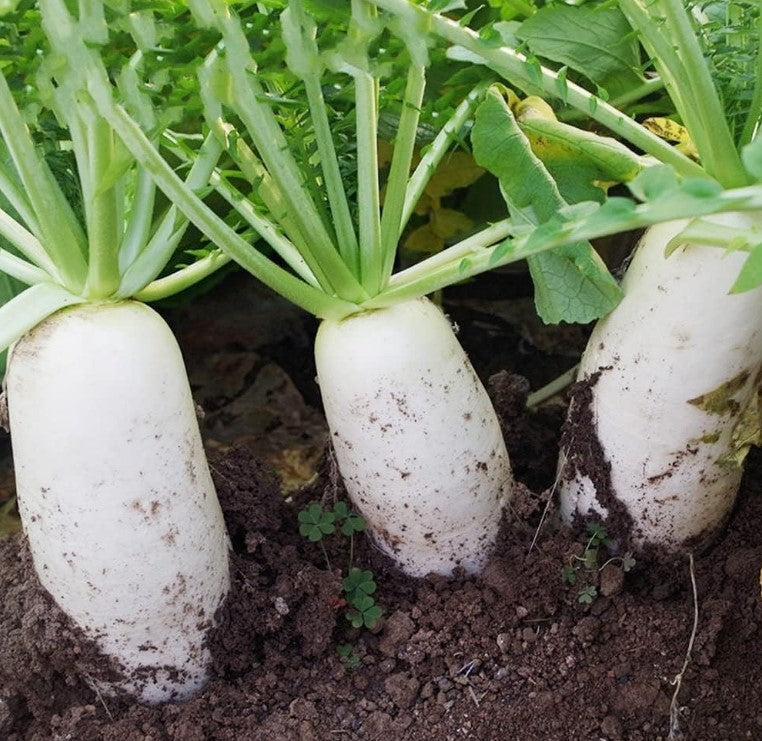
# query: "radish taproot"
618, 459
671, 376
668, 377
115, 494
113, 488
396, 385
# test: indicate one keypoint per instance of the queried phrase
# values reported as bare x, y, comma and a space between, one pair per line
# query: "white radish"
115, 495
678, 364
416, 438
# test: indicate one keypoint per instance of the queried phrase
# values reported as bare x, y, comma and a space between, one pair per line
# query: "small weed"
588, 562
358, 586
348, 656
315, 523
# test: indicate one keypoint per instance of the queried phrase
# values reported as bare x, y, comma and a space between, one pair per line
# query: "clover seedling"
315, 523
597, 537
348, 656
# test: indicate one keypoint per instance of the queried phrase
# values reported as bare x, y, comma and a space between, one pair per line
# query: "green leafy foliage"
597, 42
315, 523
730, 35
348, 656
587, 565
571, 283
582, 163
358, 587
349, 522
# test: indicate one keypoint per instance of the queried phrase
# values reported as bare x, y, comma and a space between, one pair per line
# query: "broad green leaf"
751, 273
654, 182
596, 42
571, 283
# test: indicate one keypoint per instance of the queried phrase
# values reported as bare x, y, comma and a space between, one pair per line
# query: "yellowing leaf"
448, 223
533, 107
424, 239
458, 170
671, 131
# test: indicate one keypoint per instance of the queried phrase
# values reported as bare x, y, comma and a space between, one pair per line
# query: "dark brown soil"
513, 654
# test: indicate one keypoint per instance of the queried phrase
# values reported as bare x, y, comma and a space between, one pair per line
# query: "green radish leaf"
579, 161
572, 283
751, 156
751, 273
597, 42
653, 183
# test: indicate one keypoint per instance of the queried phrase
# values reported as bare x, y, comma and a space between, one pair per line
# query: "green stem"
299, 32
678, 56
549, 390
21, 269
437, 150
396, 186
18, 200
184, 278
272, 146
755, 108
633, 95
466, 247
720, 156
214, 228
254, 171
325, 555
103, 213
60, 236
264, 228
250, 165
366, 127
139, 220
26, 243
513, 66
25, 311
334, 184
368, 197
162, 245
464, 260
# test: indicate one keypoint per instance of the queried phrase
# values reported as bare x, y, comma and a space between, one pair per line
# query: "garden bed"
512, 654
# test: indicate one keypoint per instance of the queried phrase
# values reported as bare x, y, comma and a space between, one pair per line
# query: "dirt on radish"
512, 654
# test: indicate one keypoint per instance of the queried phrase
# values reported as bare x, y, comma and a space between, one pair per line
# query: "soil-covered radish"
668, 380
114, 492
415, 435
